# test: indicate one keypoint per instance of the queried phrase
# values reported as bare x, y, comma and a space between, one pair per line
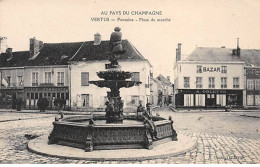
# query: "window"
85, 100
257, 72
9, 80
135, 76
188, 100
221, 99
186, 82
223, 82
200, 99
60, 80
223, 69
250, 72
20, 80
35, 79
211, 82
199, 69
257, 100
250, 84
47, 77
235, 82
257, 84
84, 79
250, 100
198, 82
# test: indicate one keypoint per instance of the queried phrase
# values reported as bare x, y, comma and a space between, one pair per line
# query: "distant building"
209, 78
165, 90
252, 78
154, 87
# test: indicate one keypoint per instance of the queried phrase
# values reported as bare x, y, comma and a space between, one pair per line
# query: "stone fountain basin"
79, 132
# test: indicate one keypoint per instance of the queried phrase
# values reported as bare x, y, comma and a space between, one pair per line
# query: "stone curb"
33, 147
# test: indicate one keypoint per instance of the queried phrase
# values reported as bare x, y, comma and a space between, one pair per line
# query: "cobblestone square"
222, 138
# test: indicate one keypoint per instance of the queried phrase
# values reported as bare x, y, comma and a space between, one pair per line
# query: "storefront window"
200, 99
188, 100
257, 100
232, 99
250, 100
221, 99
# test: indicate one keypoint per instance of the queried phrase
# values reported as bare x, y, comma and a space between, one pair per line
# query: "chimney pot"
35, 46
97, 39
169, 78
178, 52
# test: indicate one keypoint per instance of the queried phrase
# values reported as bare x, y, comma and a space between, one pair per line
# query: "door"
211, 100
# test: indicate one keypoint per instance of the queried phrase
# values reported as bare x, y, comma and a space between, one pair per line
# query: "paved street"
222, 138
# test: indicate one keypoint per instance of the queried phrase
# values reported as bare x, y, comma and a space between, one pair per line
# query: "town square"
158, 89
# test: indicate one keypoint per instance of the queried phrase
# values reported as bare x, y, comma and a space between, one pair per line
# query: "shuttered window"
84, 79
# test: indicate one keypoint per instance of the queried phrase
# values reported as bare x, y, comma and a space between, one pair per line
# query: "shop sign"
210, 91
211, 69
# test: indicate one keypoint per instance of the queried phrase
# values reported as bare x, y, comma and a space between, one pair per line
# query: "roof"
249, 56
55, 54
90, 52
163, 79
62, 53
18, 59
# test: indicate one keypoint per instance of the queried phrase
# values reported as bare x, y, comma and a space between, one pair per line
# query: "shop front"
9, 96
208, 98
32, 94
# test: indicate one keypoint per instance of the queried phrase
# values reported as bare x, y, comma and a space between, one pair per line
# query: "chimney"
169, 78
35, 46
238, 49
97, 39
9, 52
178, 52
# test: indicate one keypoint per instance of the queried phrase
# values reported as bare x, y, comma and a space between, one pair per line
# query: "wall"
97, 94
41, 74
189, 69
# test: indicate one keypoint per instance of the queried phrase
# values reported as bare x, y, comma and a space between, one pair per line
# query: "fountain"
99, 132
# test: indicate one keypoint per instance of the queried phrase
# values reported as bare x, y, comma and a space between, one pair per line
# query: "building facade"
165, 90
209, 84
63, 70
90, 59
252, 87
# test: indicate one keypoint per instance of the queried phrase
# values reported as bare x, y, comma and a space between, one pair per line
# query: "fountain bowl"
92, 133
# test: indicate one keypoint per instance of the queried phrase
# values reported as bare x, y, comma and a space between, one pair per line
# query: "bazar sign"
211, 69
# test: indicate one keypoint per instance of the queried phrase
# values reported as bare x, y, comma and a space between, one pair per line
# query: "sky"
201, 23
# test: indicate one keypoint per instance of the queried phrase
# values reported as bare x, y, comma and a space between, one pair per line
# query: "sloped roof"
19, 59
90, 52
249, 56
55, 54
163, 79
62, 53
